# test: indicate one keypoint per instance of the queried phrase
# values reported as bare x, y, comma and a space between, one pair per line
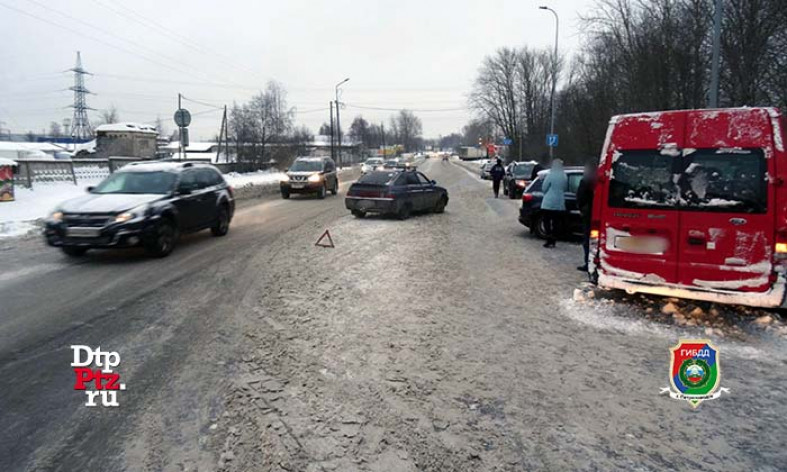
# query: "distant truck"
469, 153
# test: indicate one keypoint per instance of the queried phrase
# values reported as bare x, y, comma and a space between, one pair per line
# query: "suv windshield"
306, 166
159, 182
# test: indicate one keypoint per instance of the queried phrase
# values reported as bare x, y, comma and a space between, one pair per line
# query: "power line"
419, 110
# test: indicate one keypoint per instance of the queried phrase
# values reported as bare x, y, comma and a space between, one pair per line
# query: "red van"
693, 204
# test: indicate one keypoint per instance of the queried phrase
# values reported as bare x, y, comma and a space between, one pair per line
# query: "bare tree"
109, 116
55, 130
408, 129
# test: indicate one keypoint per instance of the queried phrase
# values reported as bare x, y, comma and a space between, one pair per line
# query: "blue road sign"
508, 141
552, 140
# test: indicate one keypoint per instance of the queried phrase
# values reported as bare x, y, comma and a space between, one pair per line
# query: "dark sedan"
397, 192
518, 177
146, 204
531, 216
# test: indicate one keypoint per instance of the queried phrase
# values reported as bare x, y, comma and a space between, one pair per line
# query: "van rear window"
723, 180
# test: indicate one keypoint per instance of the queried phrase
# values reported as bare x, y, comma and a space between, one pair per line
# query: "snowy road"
444, 342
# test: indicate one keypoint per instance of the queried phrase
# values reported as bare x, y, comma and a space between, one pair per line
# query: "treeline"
639, 55
404, 129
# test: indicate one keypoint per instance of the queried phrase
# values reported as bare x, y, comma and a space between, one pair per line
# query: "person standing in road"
497, 172
585, 192
554, 203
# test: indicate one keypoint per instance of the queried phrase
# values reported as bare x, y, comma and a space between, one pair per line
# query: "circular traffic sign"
182, 118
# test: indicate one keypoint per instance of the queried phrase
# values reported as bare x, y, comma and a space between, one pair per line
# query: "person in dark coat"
585, 192
497, 172
536, 169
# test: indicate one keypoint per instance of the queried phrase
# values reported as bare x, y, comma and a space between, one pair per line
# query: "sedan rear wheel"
440, 206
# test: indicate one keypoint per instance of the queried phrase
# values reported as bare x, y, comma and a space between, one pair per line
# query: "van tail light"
595, 231
527, 197
780, 248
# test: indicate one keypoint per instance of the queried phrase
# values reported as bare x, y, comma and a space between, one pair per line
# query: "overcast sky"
417, 54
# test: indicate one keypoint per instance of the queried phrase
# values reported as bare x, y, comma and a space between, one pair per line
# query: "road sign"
182, 118
552, 140
508, 141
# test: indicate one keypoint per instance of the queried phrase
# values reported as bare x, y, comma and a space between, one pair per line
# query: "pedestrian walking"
497, 172
554, 203
585, 191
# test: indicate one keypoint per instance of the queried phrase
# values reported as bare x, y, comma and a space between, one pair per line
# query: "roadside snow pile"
253, 178
709, 319
18, 217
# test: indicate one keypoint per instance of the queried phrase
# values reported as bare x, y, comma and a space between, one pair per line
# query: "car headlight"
285, 178
125, 216
315, 178
521, 183
56, 216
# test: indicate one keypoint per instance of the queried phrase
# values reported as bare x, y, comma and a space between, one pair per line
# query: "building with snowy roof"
126, 139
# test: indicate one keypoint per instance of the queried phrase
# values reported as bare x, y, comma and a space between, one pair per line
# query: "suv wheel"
285, 195
222, 225
164, 240
74, 251
322, 192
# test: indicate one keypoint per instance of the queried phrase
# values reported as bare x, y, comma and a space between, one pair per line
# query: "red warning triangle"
326, 234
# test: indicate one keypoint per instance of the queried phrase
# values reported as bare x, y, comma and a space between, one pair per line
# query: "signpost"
552, 140
183, 120
508, 141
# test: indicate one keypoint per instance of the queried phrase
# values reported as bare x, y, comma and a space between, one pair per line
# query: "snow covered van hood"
107, 202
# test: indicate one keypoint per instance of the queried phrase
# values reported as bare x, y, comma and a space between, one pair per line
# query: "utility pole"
338, 123
333, 151
554, 79
382, 128
713, 94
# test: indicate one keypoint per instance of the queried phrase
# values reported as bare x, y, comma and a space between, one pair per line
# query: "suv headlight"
285, 178
56, 216
125, 216
315, 178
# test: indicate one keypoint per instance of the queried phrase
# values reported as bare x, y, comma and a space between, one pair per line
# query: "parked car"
143, 204
391, 164
371, 164
518, 176
485, 168
397, 192
691, 204
532, 217
312, 175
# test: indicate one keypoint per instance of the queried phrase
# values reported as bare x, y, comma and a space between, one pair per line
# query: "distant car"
391, 164
143, 204
396, 192
371, 164
312, 175
518, 177
530, 213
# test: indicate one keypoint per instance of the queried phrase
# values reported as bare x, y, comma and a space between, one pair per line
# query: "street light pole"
713, 95
338, 123
554, 78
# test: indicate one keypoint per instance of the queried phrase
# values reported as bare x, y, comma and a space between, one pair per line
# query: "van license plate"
78, 232
641, 244
298, 185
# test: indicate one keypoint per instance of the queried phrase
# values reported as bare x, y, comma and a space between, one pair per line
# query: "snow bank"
18, 217
253, 178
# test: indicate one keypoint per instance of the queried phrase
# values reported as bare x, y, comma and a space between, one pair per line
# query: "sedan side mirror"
90, 189
433, 182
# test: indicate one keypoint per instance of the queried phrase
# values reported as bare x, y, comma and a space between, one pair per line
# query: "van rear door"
639, 240
727, 203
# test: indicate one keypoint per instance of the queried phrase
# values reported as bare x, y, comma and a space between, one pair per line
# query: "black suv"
147, 204
315, 175
530, 213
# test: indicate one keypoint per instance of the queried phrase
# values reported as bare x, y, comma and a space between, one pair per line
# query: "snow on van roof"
127, 127
7, 162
